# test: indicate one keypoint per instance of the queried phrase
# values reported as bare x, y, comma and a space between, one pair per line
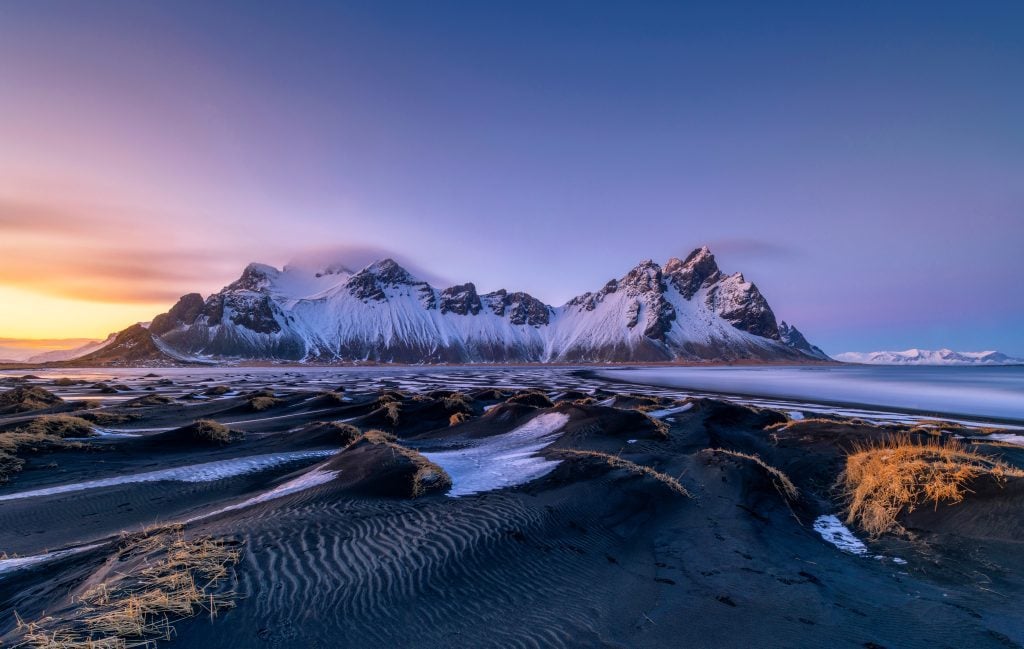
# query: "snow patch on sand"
502, 461
832, 530
658, 414
17, 563
313, 478
207, 472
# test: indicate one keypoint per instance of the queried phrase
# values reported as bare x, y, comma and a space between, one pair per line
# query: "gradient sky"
862, 162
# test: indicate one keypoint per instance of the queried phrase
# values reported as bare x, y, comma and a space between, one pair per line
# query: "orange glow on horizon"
30, 315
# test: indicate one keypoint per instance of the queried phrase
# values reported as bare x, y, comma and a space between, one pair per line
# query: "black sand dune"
363, 548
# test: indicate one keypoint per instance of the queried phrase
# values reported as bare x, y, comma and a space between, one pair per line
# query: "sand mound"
884, 480
27, 398
375, 465
325, 433
203, 432
60, 426
531, 398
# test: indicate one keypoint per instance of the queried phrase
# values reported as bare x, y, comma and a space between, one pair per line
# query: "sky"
862, 163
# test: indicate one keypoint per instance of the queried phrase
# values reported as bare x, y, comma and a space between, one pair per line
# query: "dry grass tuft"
36, 437
782, 482
337, 398
101, 418
428, 476
392, 411
262, 402
633, 467
27, 397
456, 401
212, 432
659, 426
457, 418
60, 426
534, 398
795, 423
347, 433
169, 578
883, 479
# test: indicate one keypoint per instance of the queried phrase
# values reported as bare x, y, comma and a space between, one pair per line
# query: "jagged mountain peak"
389, 271
686, 309
256, 277
645, 277
689, 275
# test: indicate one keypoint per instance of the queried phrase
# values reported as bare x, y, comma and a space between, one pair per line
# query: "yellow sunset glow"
27, 314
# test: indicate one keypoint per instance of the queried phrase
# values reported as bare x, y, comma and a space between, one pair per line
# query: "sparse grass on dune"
212, 432
167, 578
346, 432
660, 426
457, 402
428, 476
534, 398
262, 403
336, 398
26, 398
60, 426
639, 469
796, 423
781, 481
392, 411
101, 418
883, 479
43, 433
457, 418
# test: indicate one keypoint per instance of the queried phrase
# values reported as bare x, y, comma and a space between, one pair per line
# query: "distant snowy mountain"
686, 310
71, 354
929, 357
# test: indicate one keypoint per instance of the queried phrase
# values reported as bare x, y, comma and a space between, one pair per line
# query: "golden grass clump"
346, 432
336, 398
34, 438
456, 401
60, 426
167, 577
660, 426
794, 423
27, 397
428, 476
782, 482
213, 432
639, 469
392, 411
376, 436
261, 402
883, 479
534, 398
457, 418
101, 418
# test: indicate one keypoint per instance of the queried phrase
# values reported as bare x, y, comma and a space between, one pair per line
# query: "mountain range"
929, 357
685, 310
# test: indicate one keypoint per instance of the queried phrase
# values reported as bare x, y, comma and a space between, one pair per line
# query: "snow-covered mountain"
929, 357
71, 354
685, 310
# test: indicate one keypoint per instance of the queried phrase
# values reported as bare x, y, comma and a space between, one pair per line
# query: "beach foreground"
515, 508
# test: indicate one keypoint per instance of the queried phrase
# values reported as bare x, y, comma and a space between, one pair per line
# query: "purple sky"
863, 163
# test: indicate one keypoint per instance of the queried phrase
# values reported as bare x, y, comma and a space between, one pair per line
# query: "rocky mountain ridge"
685, 310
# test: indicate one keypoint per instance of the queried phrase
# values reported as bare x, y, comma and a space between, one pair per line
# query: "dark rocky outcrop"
461, 299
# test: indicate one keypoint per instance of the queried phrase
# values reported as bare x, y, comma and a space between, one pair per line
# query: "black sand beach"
493, 509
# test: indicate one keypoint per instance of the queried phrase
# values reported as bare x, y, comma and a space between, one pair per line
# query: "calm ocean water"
986, 392
978, 393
